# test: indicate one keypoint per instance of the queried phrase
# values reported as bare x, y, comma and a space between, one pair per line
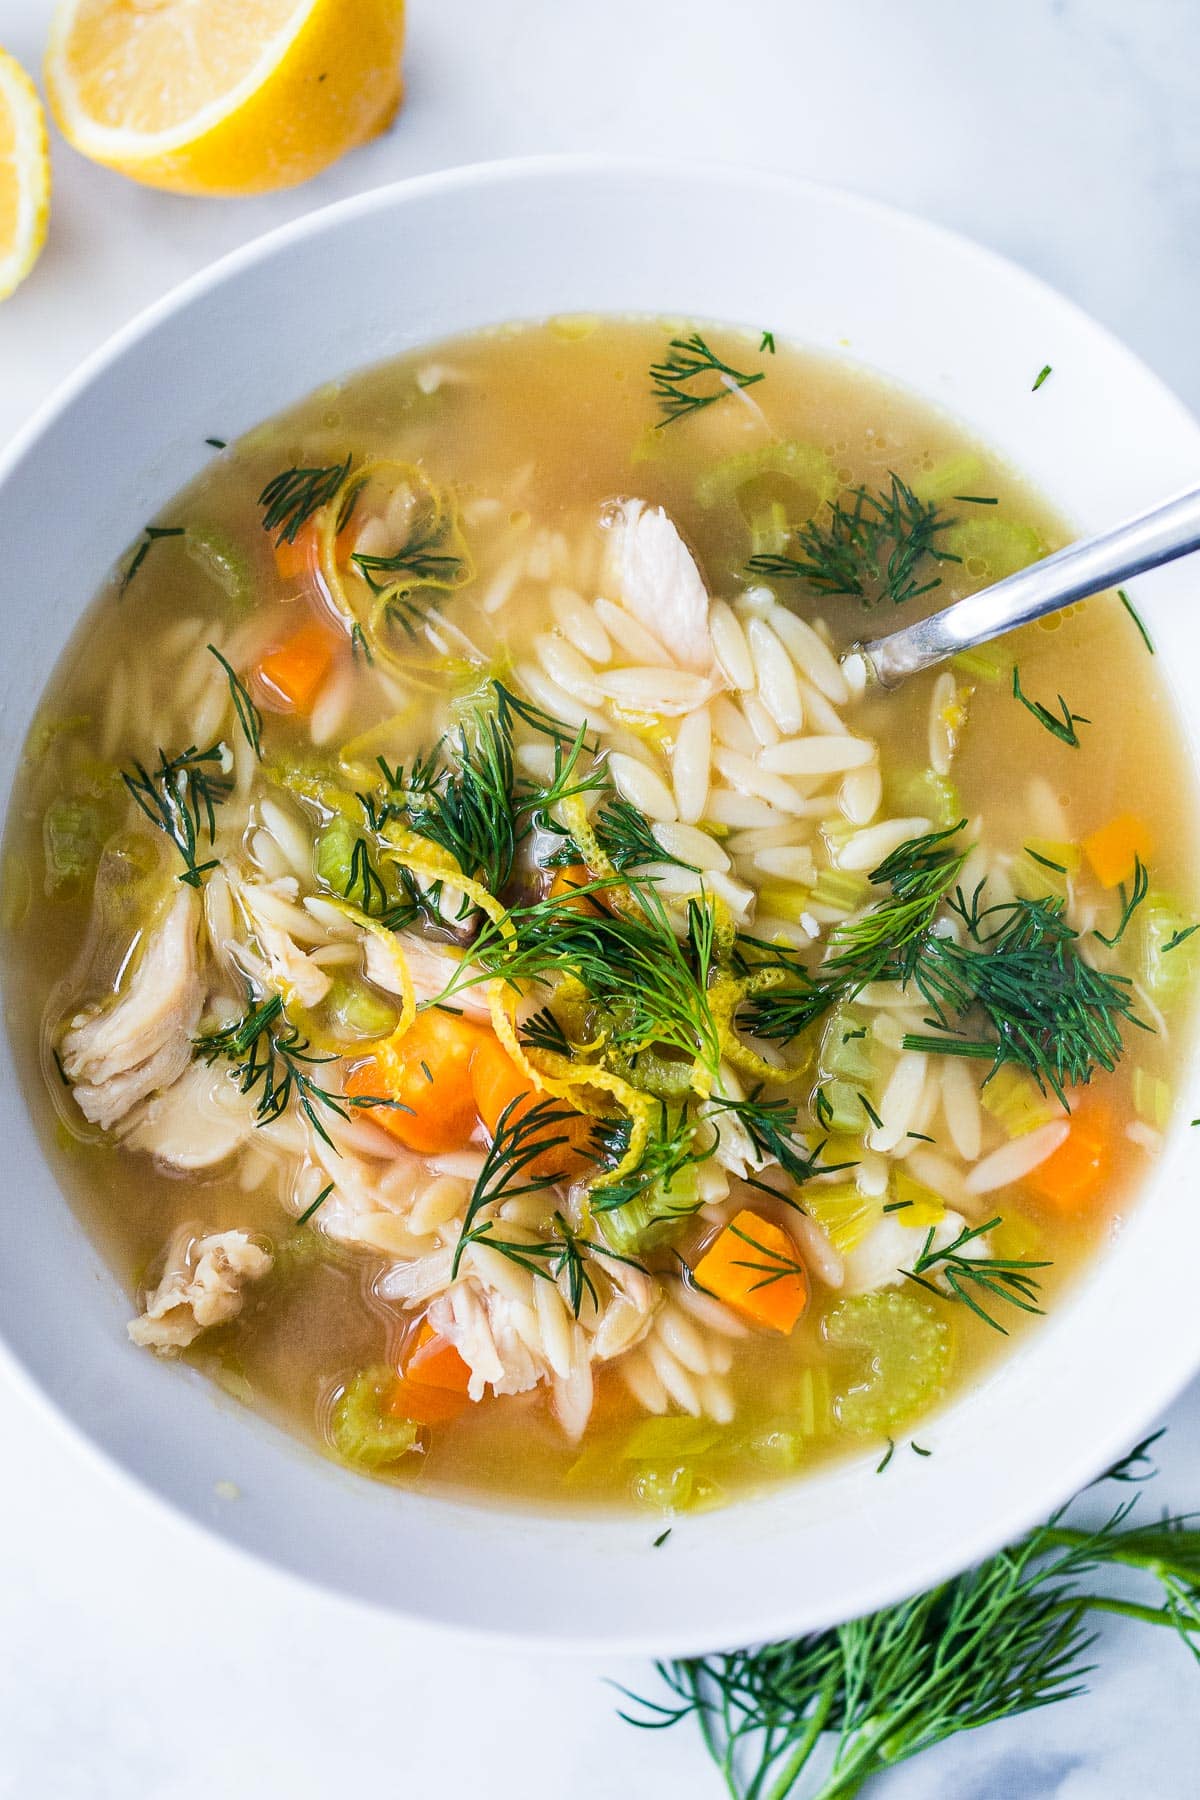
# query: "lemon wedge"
24, 175
223, 96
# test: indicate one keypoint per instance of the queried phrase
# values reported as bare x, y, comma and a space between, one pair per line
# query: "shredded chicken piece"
196, 1123
655, 577
892, 1247
482, 1324
202, 1287
430, 967
140, 1043
293, 972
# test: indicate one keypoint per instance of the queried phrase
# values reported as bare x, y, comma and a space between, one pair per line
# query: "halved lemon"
223, 96
24, 175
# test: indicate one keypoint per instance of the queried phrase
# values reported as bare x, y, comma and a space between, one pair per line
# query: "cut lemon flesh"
24, 175
223, 96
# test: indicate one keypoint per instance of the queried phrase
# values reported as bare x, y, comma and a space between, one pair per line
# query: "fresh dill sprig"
272, 1059
524, 1136
320, 1200
1048, 1010
1129, 903
542, 1031
670, 1152
150, 536
627, 838
999, 1640
248, 715
873, 547
180, 797
1061, 727
688, 360
976, 1279
767, 345
564, 1253
773, 1129
1136, 616
293, 496
1044, 374
1179, 937
365, 881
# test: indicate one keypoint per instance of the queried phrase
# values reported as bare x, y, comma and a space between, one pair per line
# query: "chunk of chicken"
202, 1287
140, 1043
430, 966
654, 576
292, 971
485, 1327
892, 1247
196, 1123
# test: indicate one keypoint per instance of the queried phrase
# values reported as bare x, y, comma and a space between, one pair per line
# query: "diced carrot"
1113, 850
497, 1082
753, 1266
566, 880
300, 555
424, 1404
292, 676
436, 1363
1079, 1168
432, 1083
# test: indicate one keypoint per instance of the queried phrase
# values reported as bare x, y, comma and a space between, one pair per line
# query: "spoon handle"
1088, 567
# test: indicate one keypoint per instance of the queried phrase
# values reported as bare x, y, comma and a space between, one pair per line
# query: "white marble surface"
139, 1659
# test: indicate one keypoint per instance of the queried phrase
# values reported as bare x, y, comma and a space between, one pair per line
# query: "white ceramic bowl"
371, 278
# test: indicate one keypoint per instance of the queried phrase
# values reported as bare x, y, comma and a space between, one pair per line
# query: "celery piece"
777, 1447
1016, 1102
223, 560
903, 1348
675, 1487
652, 1217
798, 479
770, 530
783, 900
920, 1206
842, 1109
657, 1439
844, 1215
991, 548
1151, 1099
365, 1434
958, 474
847, 1048
984, 665
73, 834
925, 793
1168, 974
841, 888
813, 1414
1043, 867
358, 1011
666, 1077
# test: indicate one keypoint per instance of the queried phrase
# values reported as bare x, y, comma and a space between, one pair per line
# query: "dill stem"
797, 1762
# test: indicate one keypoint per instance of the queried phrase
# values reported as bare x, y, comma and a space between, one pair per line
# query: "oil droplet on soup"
507, 1009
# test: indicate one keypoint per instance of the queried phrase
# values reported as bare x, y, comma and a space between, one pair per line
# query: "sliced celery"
842, 1109
222, 559
651, 1218
358, 1011
844, 1215
841, 888
814, 1403
925, 793
1016, 1102
73, 834
365, 1434
798, 479
991, 548
984, 665
1151, 1099
655, 1440
847, 1049
783, 900
903, 1349
674, 1488
958, 474
1168, 974
919, 1206
1043, 867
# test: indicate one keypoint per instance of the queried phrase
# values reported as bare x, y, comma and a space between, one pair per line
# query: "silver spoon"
1088, 567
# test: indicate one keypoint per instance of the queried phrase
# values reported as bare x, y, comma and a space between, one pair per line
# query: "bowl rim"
758, 1620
